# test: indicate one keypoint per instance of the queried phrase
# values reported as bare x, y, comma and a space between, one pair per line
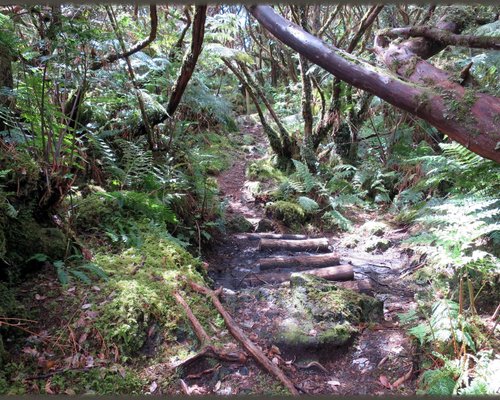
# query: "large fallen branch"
239, 335
335, 273
471, 118
198, 328
312, 261
317, 245
208, 350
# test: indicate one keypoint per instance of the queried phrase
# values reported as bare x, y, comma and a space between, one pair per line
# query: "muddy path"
379, 359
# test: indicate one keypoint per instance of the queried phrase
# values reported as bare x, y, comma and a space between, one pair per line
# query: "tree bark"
336, 273
197, 327
287, 236
6, 80
444, 37
190, 59
316, 245
470, 118
313, 261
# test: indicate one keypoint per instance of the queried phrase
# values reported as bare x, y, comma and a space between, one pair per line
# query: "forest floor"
380, 360
66, 353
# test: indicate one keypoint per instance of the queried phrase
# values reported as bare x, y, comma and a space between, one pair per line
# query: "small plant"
66, 270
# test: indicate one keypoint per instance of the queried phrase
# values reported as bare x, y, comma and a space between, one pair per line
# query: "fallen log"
317, 245
239, 335
197, 327
208, 350
285, 236
334, 273
311, 261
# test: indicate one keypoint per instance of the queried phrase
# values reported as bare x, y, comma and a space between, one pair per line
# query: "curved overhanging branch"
444, 37
470, 118
112, 57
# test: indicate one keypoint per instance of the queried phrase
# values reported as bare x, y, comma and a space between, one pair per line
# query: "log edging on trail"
333, 273
311, 261
319, 245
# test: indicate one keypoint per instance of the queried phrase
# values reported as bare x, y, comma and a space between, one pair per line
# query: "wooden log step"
258, 236
335, 273
307, 261
317, 245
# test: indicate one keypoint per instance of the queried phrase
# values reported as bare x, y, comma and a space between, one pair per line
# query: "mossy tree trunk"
6, 80
469, 117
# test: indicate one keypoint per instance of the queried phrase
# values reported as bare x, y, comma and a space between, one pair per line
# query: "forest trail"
379, 359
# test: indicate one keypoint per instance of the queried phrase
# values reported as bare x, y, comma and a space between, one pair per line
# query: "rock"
377, 244
265, 225
321, 314
240, 224
375, 228
288, 212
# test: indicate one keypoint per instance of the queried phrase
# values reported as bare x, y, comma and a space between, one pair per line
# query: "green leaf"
421, 332
81, 275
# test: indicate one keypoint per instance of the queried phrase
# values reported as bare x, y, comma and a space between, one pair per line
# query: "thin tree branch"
112, 57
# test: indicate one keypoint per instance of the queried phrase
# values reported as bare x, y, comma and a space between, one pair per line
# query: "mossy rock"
265, 225
378, 244
239, 223
286, 211
321, 314
374, 228
26, 237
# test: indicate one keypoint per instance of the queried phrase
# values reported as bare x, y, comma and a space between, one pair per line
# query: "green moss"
26, 237
139, 300
376, 228
9, 308
321, 314
338, 335
264, 170
98, 381
377, 245
286, 211
239, 223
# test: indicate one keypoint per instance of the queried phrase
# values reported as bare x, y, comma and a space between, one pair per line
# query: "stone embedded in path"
319, 314
265, 225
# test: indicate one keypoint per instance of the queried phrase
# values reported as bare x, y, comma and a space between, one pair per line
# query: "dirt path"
380, 354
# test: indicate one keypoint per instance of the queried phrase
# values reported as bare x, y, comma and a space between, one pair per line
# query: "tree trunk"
6, 81
307, 151
470, 118
190, 59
